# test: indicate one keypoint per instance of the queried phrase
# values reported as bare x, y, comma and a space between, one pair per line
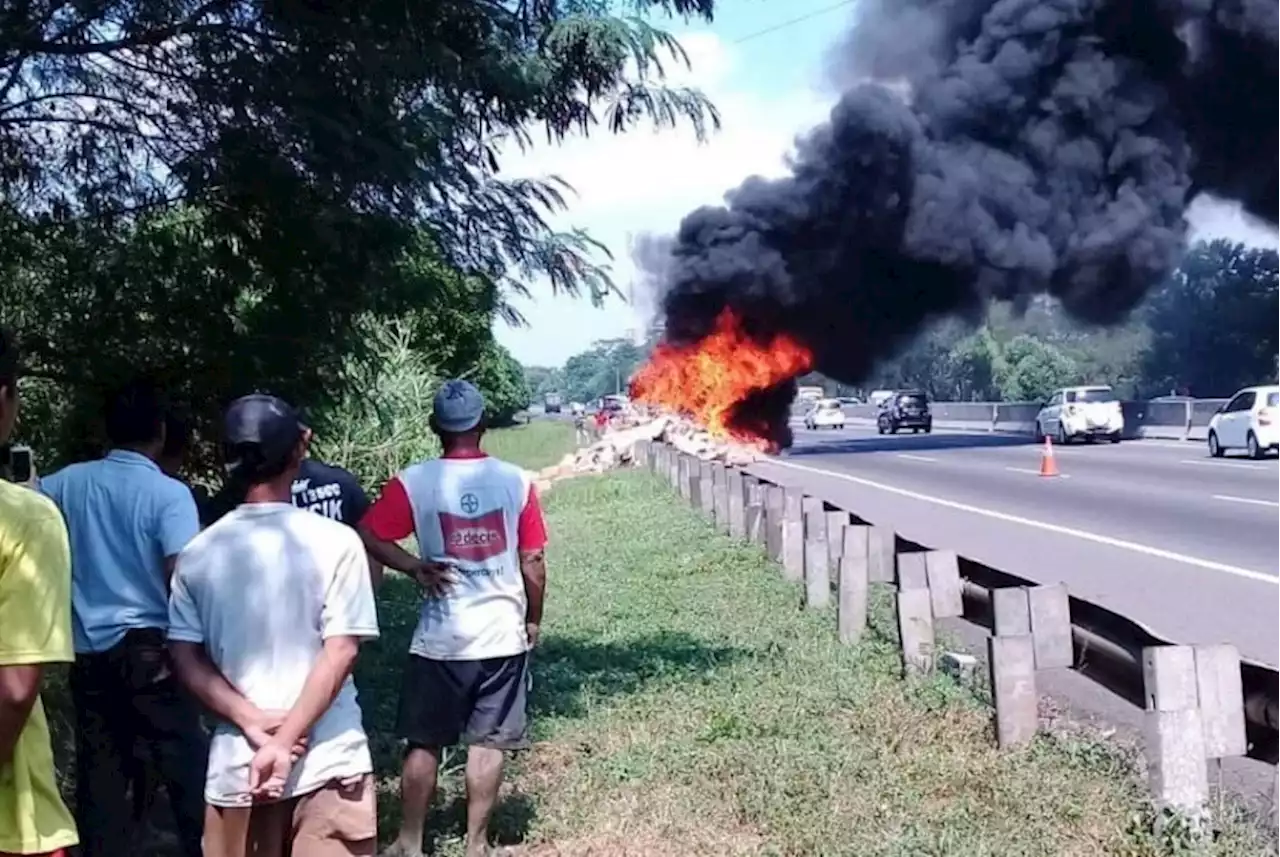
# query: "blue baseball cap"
260, 430
458, 407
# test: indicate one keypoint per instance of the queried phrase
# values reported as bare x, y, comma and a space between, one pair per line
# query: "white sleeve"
185, 625
349, 608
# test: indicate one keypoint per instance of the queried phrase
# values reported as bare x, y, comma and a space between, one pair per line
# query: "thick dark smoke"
989, 149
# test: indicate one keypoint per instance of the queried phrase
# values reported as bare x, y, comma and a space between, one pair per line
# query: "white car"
1247, 422
1088, 412
825, 413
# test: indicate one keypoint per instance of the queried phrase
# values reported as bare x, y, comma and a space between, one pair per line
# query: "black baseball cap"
260, 431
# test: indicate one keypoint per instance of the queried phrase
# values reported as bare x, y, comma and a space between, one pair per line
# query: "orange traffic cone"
1048, 464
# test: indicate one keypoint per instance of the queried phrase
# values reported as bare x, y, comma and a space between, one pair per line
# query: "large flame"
708, 380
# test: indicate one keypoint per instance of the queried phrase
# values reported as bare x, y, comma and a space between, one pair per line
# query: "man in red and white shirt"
481, 536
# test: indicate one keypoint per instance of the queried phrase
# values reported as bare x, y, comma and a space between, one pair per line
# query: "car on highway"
1087, 412
825, 413
905, 409
1248, 422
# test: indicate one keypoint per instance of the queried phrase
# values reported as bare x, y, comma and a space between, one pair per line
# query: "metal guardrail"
1175, 420
1107, 647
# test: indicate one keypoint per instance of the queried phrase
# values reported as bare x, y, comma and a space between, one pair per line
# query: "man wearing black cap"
268, 610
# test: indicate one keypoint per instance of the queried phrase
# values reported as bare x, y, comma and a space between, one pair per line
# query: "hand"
532, 630
435, 577
264, 726
269, 770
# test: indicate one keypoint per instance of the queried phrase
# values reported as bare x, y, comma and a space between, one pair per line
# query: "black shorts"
481, 702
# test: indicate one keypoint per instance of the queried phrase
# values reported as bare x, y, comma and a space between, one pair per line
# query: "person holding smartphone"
35, 631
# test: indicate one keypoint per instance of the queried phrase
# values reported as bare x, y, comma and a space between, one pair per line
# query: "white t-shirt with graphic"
476, 514
262, 589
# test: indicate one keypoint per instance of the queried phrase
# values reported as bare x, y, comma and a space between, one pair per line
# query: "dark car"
905, 409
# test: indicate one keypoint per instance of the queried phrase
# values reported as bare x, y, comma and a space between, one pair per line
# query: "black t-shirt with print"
321, 488
329, 491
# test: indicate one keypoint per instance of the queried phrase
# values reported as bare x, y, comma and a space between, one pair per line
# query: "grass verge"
534, 445
685, 704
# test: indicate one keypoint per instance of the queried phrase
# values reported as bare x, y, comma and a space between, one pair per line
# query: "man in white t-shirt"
480, 530
268, 609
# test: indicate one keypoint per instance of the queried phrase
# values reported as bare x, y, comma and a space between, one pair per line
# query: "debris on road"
617, 447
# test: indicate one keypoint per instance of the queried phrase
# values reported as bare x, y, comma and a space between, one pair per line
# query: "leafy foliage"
234, 195
602, 370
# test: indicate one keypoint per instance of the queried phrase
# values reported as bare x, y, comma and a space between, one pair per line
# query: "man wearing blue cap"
268, 610
480, 531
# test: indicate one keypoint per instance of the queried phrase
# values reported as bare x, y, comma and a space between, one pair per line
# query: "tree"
542, 380
229, 194
602, 370
1030, 369
1213, 323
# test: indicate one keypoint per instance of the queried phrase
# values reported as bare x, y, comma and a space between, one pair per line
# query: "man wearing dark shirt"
319, 487
329, 491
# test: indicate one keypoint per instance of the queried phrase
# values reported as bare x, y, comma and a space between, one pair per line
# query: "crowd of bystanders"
211, 638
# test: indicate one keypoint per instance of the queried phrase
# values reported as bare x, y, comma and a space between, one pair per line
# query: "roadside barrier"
1202, 702
1177, 420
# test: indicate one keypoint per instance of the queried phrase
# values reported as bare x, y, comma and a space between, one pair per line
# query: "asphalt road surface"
1155, 530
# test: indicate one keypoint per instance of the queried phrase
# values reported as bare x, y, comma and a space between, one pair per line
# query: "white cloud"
645, 181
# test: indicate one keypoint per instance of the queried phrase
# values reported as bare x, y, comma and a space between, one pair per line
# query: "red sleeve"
531, 532
390, 518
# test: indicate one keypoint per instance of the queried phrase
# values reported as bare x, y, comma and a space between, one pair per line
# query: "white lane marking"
1243, 465
911, 457
1031, 472
1272, 503
1160, 553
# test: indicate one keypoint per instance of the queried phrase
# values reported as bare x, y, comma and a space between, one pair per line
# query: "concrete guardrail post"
851, 606
695, 484
1175, 736
1011, 656
720, 489
773, 517
939, 573
882, 566
1050, 610
837, 520
753, 501
673, 467
793, 534
1220, 691
706, 489
817, 558
682, 474
915, 628
736, 504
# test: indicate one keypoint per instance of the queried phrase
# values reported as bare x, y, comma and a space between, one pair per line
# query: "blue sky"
768, 87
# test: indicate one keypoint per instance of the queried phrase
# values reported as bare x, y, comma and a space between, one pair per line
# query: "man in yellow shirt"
35, 630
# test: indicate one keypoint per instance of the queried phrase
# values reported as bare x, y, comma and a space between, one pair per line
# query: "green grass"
685, 704
534, 445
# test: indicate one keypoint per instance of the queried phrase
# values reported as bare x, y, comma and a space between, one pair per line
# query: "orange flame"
705, 380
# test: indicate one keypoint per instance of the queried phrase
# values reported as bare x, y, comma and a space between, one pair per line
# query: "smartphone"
20, 464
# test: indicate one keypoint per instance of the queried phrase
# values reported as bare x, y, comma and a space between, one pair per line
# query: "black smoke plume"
988, 149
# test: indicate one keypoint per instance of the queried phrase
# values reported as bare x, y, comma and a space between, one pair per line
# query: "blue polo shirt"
124, 516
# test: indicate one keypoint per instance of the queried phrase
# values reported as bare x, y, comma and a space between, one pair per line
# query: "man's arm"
389, 520
531, 532
177, 523
207, 684
19, 688
35, 620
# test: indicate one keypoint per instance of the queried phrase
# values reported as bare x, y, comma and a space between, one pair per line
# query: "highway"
1155, 530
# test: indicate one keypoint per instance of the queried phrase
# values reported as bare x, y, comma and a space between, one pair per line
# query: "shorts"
338, 820
480, 702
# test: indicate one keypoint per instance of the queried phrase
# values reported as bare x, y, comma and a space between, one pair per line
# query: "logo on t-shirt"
474, 539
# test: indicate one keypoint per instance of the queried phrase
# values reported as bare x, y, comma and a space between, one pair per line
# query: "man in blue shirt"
127, 523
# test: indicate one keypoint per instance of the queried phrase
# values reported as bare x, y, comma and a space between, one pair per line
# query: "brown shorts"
335, 821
